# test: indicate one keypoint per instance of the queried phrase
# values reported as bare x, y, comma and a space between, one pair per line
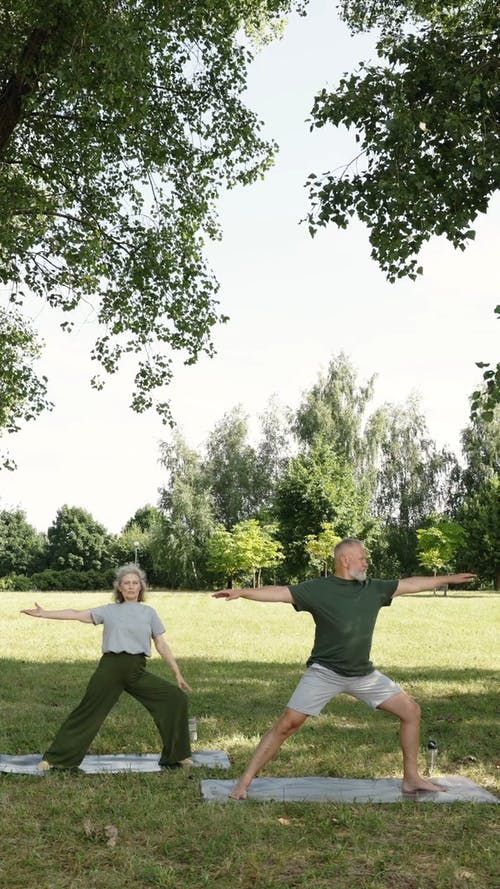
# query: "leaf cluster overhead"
119, 125
426, 123
23, 394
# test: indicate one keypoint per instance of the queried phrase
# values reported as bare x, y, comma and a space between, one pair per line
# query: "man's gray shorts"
320, 684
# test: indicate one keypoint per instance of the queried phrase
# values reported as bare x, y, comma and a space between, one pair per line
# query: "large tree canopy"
426, 121
334, 410
119, 125
76, 540
21, 546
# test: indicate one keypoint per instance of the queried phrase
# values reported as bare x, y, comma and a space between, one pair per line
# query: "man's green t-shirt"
345, 612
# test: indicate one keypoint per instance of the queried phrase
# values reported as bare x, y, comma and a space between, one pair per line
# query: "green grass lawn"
243, 660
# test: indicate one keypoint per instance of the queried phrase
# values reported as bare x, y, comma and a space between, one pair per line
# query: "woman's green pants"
116, 673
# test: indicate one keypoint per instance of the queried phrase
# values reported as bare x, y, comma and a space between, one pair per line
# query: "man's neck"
342, 574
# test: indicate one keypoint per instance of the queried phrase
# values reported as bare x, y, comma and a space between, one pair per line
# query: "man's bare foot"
412, 785
186, 762
239, 791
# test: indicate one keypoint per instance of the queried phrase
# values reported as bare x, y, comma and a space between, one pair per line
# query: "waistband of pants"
127, 654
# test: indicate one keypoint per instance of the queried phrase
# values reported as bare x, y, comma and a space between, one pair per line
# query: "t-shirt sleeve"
300, 595
157, 627
97, 614
387, 590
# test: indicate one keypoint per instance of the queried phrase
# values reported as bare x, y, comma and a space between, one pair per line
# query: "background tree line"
272, 511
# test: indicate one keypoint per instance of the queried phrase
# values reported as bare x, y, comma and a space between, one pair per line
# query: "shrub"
70, 579
17, 583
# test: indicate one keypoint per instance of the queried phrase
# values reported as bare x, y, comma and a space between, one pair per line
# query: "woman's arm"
65, 614
165, 652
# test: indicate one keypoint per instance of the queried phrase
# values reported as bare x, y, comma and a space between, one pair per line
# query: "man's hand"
227, 594
460, 578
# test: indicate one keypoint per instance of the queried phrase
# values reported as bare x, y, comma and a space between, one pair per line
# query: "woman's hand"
181, 682
37, 611
84, 616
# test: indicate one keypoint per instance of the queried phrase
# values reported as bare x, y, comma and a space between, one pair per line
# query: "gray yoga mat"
120, 762
346, 790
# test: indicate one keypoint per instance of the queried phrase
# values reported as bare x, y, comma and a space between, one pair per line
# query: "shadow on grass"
452, 594
236, 702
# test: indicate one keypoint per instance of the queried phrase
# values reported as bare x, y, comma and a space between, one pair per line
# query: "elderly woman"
129, 626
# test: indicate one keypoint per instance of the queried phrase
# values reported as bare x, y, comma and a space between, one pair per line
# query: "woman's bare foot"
43, 766
239, 791
411, 785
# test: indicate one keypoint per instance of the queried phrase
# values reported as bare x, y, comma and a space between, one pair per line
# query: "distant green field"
243, 660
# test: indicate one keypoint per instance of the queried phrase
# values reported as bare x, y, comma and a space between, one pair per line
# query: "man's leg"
287, 725
408, 712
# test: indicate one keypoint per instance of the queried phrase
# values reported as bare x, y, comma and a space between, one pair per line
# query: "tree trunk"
19, 85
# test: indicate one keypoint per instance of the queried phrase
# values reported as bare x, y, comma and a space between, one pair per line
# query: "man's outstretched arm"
261, 594
420, 584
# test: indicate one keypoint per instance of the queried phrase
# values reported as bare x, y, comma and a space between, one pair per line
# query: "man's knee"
290, 722
415, 709
402, 706
411, 710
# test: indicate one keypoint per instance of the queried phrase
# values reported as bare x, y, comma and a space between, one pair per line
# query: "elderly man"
344, 607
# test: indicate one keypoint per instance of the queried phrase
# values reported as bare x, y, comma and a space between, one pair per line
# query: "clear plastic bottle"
431, 755
193, 728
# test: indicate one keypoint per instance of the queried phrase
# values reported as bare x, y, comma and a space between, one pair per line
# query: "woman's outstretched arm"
64, 614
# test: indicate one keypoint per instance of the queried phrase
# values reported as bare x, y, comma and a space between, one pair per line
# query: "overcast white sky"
293, 302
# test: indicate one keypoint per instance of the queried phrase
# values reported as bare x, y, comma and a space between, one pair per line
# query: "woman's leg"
78, 731
168, 706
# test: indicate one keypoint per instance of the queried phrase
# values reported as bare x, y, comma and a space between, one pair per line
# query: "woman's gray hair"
120, 574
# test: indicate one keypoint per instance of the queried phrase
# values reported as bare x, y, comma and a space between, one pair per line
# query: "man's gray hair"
120, 574
347, 541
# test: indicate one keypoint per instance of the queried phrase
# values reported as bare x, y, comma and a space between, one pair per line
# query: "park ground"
242, 659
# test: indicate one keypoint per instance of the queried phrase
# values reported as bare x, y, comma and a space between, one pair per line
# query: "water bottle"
193, 728
431, 755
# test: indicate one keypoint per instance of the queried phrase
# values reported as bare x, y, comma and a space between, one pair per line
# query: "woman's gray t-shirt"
128, 626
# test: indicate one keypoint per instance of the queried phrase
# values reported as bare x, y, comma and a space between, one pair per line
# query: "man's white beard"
358, 575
